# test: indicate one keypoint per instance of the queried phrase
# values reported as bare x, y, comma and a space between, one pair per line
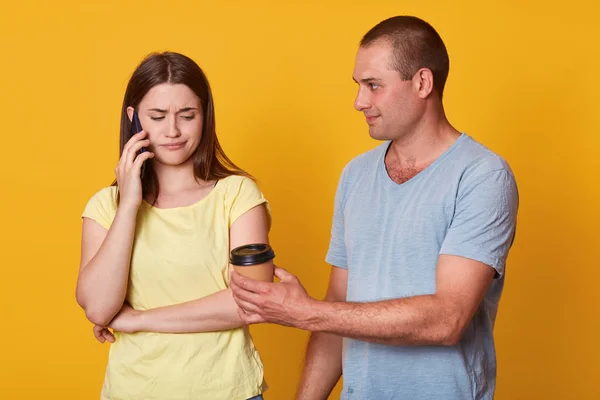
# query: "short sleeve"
484, 223
336, 255
102, 207
243, 196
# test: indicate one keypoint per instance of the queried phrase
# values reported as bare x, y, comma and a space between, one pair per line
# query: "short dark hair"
415, 45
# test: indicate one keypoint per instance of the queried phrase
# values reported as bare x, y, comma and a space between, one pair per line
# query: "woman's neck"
177, 179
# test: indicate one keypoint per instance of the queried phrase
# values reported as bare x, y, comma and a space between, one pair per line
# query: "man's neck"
422, 146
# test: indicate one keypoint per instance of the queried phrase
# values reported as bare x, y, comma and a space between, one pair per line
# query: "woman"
155, 247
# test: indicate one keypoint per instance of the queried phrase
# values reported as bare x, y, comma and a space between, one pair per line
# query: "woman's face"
171, 115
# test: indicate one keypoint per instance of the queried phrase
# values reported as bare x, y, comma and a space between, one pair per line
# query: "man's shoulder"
477, 159
366, 161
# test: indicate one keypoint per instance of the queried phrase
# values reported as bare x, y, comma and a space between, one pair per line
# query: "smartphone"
136, 127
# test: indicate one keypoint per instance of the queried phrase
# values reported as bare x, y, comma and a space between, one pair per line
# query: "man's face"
390, 104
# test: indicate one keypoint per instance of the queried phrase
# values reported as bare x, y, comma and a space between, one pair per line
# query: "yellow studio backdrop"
523, 80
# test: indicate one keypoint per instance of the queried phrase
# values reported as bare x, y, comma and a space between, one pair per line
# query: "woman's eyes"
186, 117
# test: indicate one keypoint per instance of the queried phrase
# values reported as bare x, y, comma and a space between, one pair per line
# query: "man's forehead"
372, 60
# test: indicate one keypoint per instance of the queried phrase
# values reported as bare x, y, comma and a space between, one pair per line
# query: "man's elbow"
453, 331
451, 339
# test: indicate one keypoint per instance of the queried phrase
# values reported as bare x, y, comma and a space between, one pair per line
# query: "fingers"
103, 334
98, 333
134, 139
130, 156
243, 295
139, 160
108, 335
125, 160
249, 285
282, 274
250, 318
247, 306
241, 314
254, 319
133, 150
242, 288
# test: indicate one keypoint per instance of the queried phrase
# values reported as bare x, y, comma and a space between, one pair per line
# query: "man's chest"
380, 216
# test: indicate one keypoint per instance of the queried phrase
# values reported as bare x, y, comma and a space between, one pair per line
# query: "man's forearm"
420, 320
322, 367
217, 312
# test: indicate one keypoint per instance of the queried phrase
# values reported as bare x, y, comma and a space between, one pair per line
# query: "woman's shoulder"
235, 184
236, 179
102, 206
106, 194
241, 193
104, 199
240, 189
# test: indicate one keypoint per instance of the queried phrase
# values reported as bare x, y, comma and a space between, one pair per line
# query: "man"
421, 231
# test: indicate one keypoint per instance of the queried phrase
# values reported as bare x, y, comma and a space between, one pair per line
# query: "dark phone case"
136, 127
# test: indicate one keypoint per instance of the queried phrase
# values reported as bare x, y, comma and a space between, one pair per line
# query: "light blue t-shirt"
389, 237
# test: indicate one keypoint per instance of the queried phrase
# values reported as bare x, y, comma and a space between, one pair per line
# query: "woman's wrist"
141, 321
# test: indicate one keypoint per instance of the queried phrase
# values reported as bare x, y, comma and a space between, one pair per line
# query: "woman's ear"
130, 113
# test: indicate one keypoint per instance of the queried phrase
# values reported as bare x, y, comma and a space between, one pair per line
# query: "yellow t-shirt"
181, 254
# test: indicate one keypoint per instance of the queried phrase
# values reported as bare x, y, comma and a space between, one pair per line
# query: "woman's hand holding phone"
129, 169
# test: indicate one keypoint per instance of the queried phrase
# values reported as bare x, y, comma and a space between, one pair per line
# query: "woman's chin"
171, 162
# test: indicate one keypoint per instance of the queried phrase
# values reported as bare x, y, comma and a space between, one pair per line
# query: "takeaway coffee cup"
254, 261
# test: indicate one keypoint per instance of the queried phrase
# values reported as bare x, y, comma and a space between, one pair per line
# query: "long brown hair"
210, 161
